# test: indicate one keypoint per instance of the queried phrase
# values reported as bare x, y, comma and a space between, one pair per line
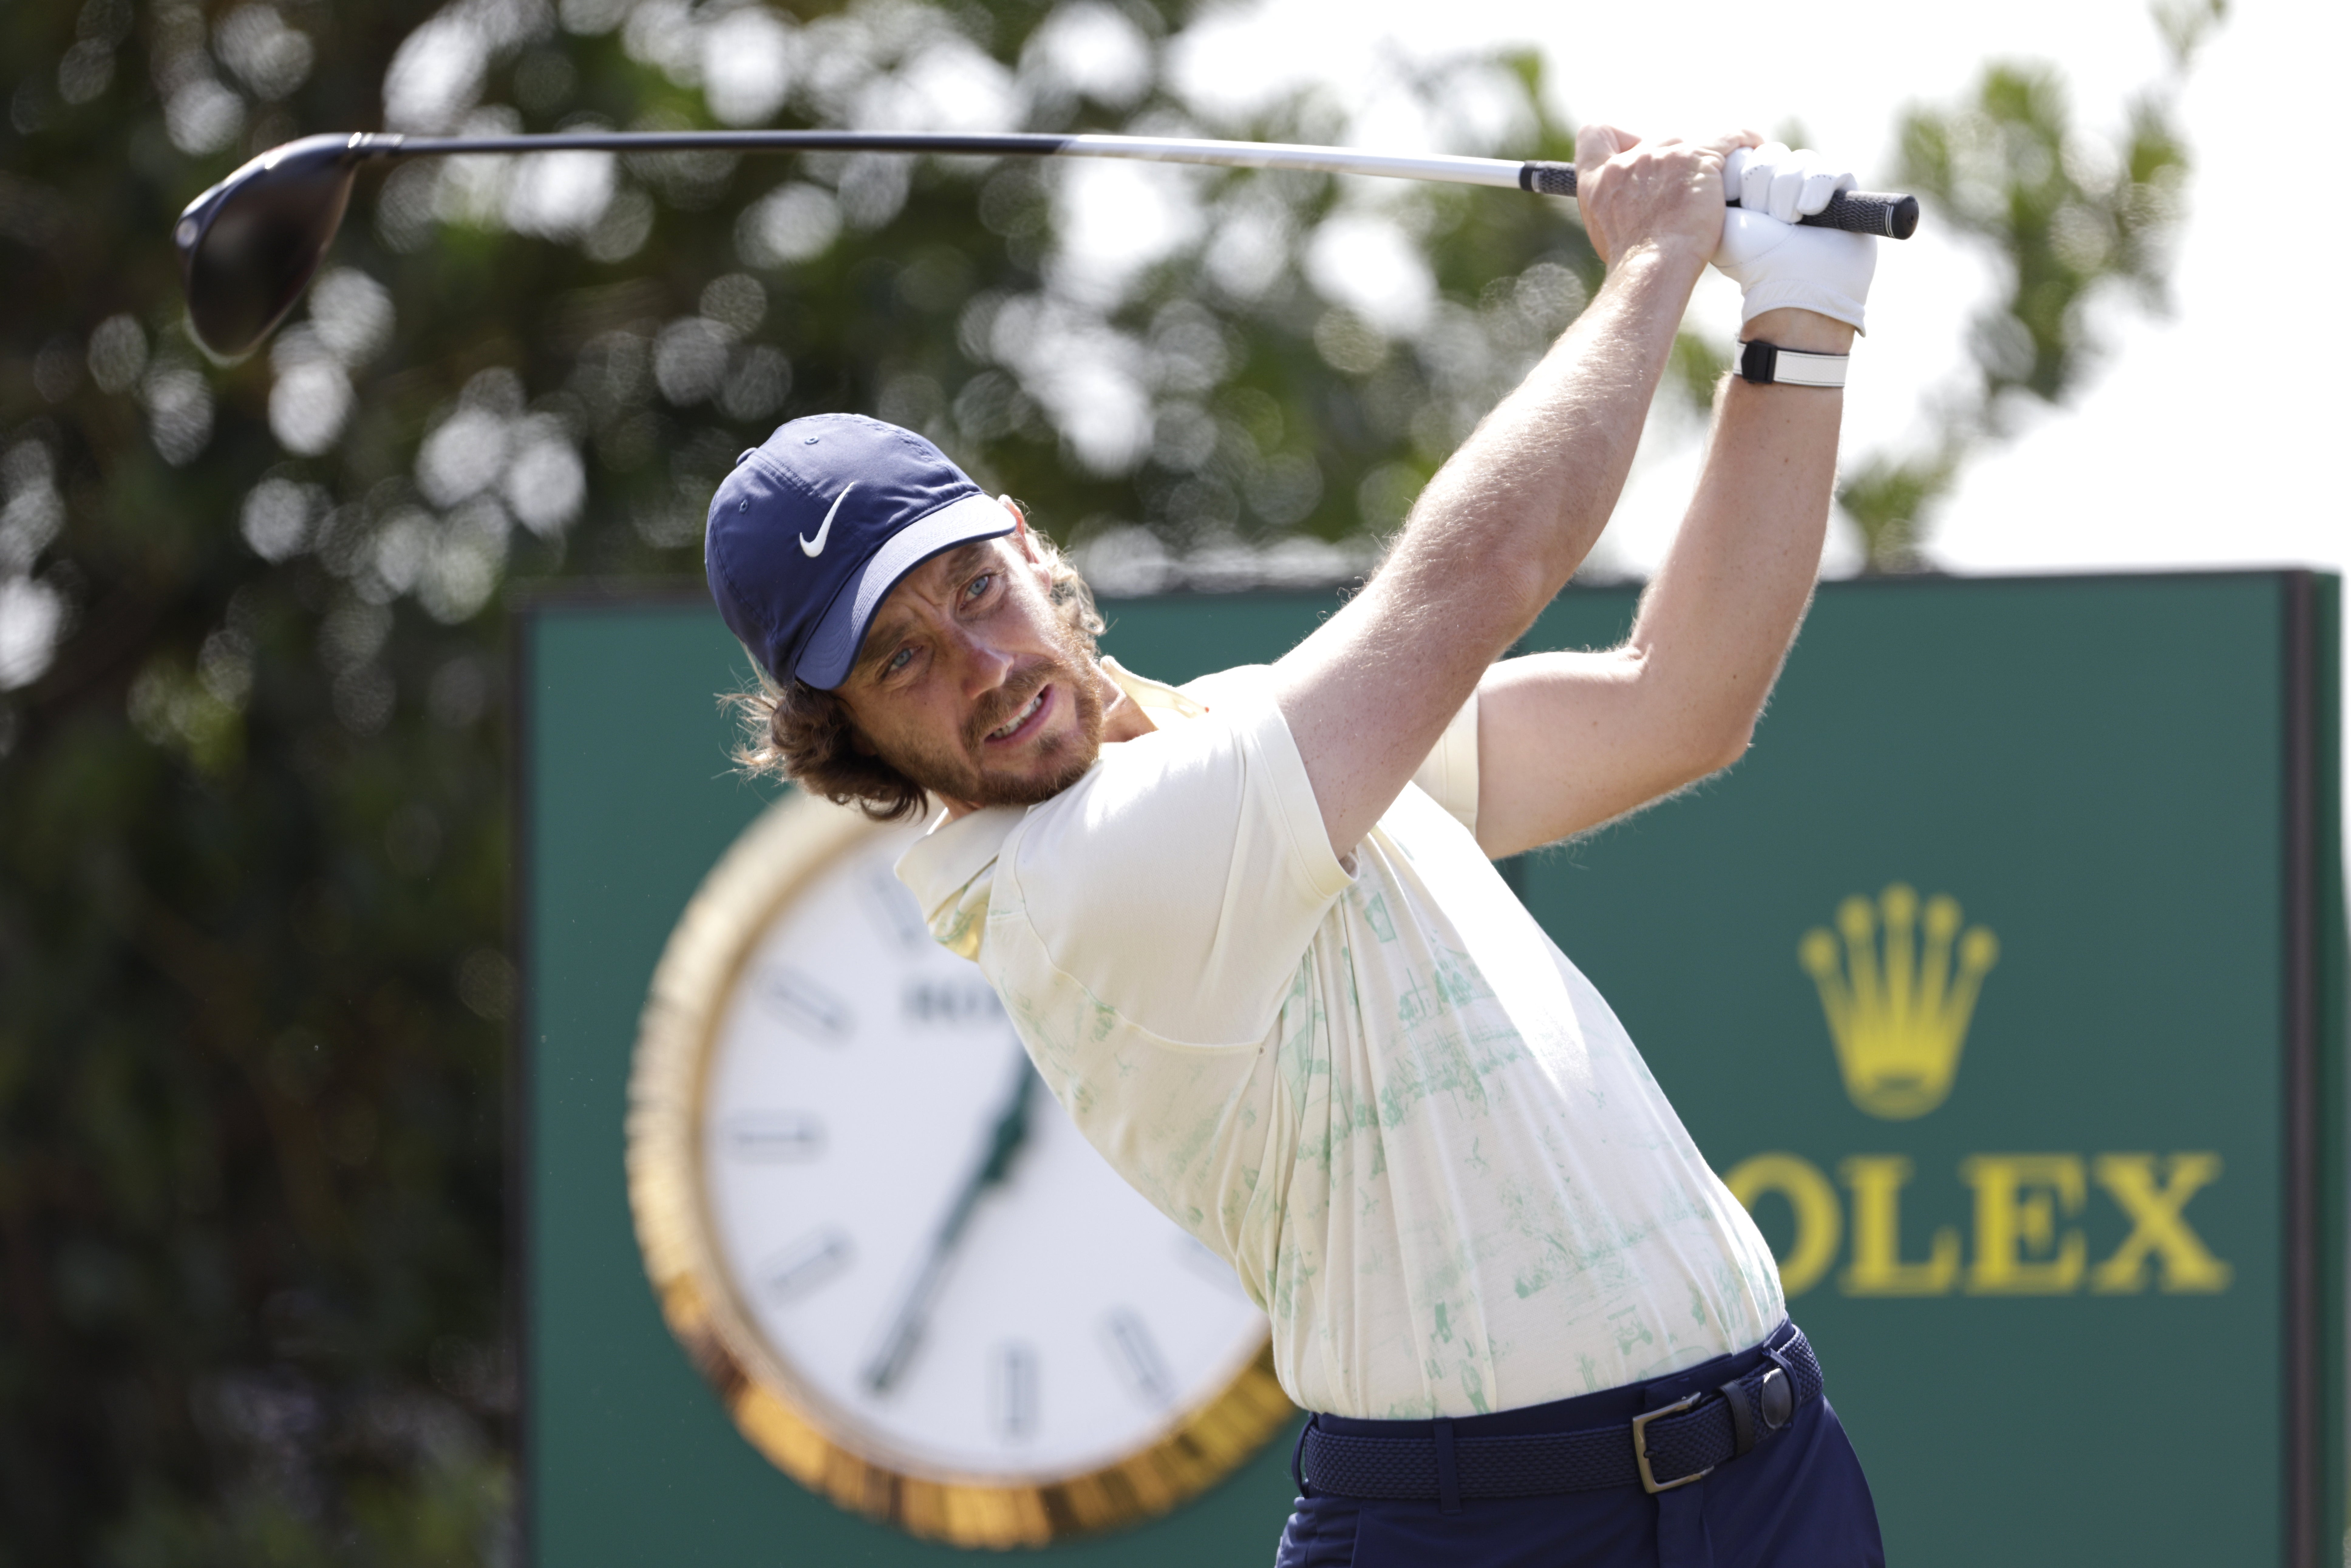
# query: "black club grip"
1880, 213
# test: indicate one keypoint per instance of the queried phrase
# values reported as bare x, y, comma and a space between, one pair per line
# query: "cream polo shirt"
1415, 1131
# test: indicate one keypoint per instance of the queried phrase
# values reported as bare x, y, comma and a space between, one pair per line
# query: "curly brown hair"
801, 733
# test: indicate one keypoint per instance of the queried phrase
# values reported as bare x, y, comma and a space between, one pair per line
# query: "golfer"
1252, 937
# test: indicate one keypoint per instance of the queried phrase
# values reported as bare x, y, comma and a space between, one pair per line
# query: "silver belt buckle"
1649, 1482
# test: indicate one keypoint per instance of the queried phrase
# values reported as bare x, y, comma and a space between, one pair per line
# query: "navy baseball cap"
811, 531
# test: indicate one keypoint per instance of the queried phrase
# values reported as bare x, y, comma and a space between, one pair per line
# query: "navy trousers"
1797, 1500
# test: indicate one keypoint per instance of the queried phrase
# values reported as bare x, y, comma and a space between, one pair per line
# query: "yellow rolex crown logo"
1896, 1008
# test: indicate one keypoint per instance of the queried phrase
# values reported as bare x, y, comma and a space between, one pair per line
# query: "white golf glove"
1787, 184
1775, 262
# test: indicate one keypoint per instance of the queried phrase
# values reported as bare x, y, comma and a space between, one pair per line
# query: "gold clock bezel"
790, 844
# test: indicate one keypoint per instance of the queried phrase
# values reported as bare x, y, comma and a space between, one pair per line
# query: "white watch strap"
1768, 364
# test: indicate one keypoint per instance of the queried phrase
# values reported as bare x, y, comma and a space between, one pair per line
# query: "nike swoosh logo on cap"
814, 547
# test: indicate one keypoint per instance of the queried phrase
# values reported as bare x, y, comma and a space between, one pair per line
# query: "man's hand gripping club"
1665, 196
1780, 266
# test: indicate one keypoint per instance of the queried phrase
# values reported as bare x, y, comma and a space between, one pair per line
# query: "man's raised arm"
1508, 518
1566, 741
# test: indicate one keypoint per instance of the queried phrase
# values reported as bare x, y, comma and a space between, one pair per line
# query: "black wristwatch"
1768, 364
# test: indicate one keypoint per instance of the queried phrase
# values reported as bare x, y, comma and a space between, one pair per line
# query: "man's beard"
1064, 757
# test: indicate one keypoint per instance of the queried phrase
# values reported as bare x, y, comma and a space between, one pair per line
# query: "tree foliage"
253, 857
2072, 220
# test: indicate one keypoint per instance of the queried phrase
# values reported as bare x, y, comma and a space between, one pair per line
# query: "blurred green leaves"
2070, 217
2073, 219
254, 855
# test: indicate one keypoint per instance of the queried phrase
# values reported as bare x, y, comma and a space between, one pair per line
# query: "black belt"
1657, 1451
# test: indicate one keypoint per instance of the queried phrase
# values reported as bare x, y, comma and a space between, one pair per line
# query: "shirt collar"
952, 855
945, 860
1157, 699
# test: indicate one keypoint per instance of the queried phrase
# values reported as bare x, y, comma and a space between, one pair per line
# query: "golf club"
249, 245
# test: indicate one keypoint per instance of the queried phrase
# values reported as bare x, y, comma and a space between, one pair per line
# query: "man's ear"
1025, 541
1022, 540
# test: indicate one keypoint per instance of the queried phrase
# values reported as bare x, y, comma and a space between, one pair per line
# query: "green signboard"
2003, 980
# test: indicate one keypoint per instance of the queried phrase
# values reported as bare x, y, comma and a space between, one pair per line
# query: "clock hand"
913, 1314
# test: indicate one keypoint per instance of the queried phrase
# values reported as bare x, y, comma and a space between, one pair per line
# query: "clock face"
855, 1190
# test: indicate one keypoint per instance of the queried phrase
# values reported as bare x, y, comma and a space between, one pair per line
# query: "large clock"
915, 1286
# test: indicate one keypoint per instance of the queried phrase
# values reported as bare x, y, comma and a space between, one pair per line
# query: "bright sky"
2203, 441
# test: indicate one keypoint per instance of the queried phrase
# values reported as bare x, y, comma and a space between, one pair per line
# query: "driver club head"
249, 245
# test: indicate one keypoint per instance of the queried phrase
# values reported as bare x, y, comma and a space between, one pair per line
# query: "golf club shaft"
1888, 216
249, 245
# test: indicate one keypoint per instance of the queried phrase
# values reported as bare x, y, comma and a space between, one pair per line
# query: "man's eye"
898, 661
979, 585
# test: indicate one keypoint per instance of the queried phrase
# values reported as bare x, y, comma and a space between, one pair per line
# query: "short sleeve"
1180, 883
1451, 774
